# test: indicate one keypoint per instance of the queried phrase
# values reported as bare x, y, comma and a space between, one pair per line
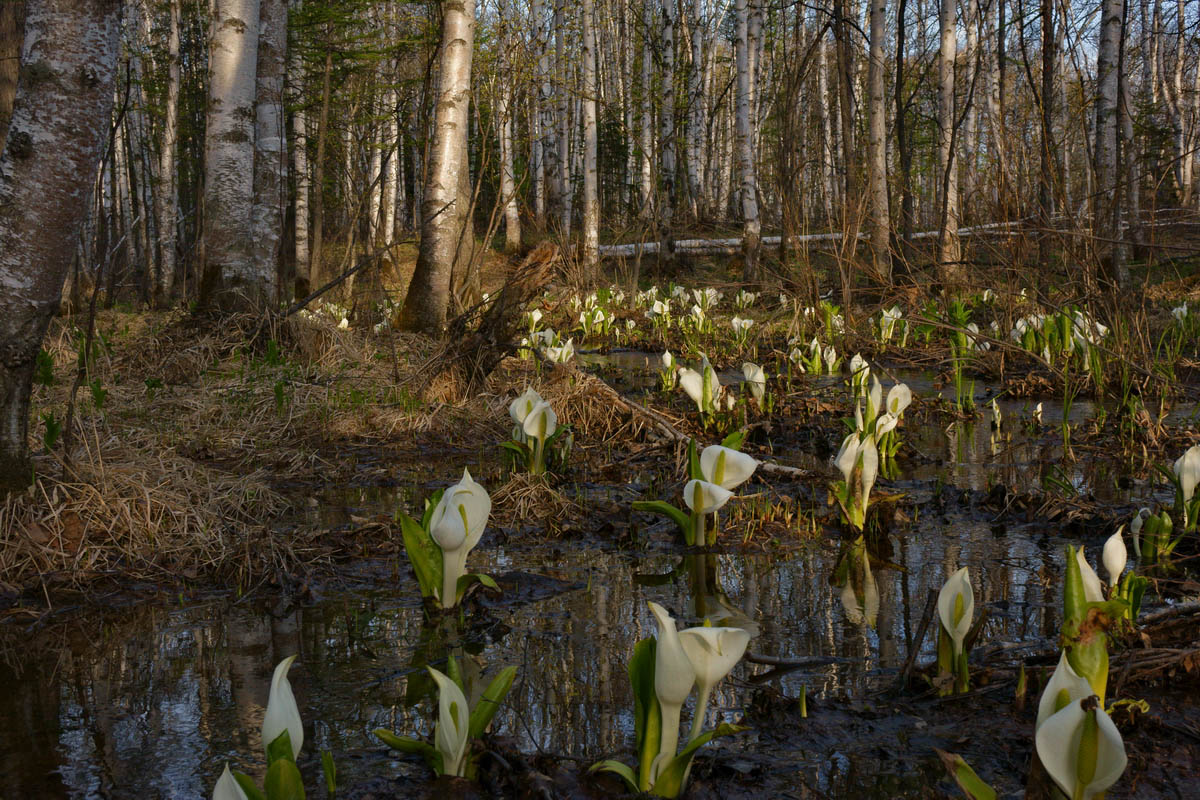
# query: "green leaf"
694, 471
672, 777
280, 749
454, 673
684, 521
735, 440
620, 769
465, 582
430, 504
647, 715
489, 704
283, 781
411, 746
971, 784
247, 784
329, 770
523, 452
424, 555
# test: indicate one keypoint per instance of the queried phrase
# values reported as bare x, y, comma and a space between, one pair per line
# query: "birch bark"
58, 126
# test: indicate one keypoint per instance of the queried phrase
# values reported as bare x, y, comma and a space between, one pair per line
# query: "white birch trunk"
167, 199
270, 147
562, 123
667, 119
877, 188
949, 249
1108, 223
591, 198
696, 104
647, 126
428, 296
58, 127
231, 279
745, 155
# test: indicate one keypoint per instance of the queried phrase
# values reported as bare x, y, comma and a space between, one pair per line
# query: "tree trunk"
270, 147
877, 188
315, 271
591, 198
428, 295
745, 155
12, 32
1048, 160
646, 145
562, 123
58, 126
696, 105
1108, 228
667, 121
231, 279
167, 199
949, 258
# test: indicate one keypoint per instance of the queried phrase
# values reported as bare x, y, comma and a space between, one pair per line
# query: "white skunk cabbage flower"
519, 409
830, 356
668, 360
704, 497
1093, 592
1081, 749
227, 788
457, 525
740, 325
452, 734
1180, 312
870, 469
885, 423
756, 379
797, 359
874, 397
859, 370
713, 653
561, 354
282, 714
956, 606
1187, 470
726, 467
692, 383
674, 677
1037, 413
541, 422
1065, 686
847, 456
899, 397
1115, 557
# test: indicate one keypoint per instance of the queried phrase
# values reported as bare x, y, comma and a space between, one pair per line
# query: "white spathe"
227, 787
899, 397
692, 383
711, 496
713, 653
1187, 470
958, 585
1058, 742
756, 379
1115, 556
519, 409
847, 456
869, 454
726, 467
452, 732
282, 713
674, 677
541, 422
456, 525
1064, 679
1093, 592
885, 423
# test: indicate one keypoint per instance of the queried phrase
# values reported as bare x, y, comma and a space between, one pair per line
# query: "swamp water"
151, 700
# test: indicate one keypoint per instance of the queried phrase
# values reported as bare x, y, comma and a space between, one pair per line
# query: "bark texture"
58, 127
428, 295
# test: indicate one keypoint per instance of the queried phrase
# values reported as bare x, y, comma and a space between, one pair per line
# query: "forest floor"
206, 448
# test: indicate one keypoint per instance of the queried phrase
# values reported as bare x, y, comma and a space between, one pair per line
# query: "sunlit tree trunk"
1108, 226
828, 166
647, 123
58, 126
591, 197
949, 251
167, 199
562, 121
270, 146
667, 119
696, 106
231, 279
391, 181
877, 188
751, 230
428, 295
508, 188
315, 271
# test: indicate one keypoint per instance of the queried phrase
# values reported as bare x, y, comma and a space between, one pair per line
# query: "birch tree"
1108, 223
167, 198
591, 199
58, 126
231, 281
751, 229
270, 147
877, 188
428, 296
949, 253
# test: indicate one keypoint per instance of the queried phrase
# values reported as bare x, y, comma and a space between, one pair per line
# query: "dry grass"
531, 499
